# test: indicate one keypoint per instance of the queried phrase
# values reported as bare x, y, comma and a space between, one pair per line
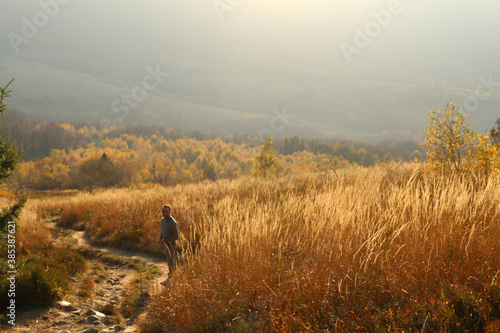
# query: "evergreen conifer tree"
266, 162
8, 159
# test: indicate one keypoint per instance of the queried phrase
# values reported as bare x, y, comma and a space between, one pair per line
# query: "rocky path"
108, 297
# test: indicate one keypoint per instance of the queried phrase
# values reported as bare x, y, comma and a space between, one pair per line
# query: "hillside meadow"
386, 248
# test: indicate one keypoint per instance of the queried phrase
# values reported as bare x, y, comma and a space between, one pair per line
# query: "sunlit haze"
342, 69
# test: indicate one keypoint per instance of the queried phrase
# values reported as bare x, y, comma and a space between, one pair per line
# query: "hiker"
168, 237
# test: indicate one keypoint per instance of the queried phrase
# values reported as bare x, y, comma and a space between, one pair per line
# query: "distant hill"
241, 74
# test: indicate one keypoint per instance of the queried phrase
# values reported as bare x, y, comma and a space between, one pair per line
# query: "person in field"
168, 239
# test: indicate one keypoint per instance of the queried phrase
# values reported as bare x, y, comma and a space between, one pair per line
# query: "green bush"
41, 278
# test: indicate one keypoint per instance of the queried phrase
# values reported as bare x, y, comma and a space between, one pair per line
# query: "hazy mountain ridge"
225, 77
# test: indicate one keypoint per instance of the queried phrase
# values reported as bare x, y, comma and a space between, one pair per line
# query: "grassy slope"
371, 249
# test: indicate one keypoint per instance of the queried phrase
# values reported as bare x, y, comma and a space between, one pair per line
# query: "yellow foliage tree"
452, 147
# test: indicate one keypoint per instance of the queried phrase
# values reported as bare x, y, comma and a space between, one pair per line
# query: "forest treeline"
81, 156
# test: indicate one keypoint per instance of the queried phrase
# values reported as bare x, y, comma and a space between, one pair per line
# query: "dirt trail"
82, 240
154, 287
97, 299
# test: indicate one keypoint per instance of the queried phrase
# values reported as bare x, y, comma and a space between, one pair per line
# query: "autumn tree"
452, 147
208, 170
161, 168
126, 167
96, 171
266, 162
8, 159
346, 151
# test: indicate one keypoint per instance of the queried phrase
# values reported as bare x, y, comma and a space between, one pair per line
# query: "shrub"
41, 277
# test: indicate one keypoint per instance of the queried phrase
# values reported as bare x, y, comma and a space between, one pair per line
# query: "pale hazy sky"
444, 23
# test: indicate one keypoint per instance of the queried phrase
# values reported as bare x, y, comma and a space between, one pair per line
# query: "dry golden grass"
32, 232
384, 248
